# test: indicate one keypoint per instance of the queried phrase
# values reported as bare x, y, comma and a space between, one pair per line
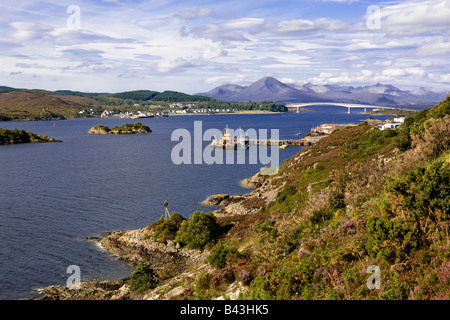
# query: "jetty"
230, 142
245, 143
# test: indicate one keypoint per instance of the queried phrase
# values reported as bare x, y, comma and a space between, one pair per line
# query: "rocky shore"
173, 264
132, 246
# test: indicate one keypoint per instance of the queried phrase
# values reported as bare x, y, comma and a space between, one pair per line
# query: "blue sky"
194, 46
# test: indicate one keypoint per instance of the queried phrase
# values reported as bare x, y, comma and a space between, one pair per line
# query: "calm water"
55, 195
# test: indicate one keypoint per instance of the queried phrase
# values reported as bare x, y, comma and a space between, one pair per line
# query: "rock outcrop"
136, 246
253, 182
221, 200
89, 290
125, 129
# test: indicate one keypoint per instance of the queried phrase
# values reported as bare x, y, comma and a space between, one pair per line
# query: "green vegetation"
398, 112
357, 198
41, 116
20, 136
143, 278
222, 255
166, 229
247, 106
198, 231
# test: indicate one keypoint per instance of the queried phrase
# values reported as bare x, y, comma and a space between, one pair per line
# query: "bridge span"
350, 106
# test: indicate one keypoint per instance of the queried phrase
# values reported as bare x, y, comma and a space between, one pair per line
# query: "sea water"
55, 195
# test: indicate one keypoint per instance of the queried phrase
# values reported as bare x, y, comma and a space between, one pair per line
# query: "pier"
288, 143
229, 142
244, 144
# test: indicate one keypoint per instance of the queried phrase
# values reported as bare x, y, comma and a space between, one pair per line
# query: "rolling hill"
27, 104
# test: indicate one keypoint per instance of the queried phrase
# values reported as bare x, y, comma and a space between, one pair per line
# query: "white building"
392, 124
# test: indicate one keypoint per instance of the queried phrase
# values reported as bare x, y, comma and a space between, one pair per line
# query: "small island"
125, 129
17, 136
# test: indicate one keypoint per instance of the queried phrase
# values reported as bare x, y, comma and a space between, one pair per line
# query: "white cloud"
213, 52
288, 80
244, 23
394, 72
415, 17
214, 32
152, 24
400, 72
220, 80
176, 65
194, 14
223, 41
291, 26
29, 31
439, 47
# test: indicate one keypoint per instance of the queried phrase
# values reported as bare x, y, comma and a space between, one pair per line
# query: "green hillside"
25, 104
357, 201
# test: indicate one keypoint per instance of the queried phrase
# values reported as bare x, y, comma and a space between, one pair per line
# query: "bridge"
350, 106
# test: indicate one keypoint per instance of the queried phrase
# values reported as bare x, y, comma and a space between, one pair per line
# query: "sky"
195, 46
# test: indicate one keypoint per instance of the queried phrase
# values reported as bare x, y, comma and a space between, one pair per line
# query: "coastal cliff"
360, 197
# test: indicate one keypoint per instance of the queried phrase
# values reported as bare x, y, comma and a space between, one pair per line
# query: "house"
389, 125
327, 128
392, 124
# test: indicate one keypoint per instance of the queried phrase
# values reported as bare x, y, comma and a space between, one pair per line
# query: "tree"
143, 278
167, 228
200, 229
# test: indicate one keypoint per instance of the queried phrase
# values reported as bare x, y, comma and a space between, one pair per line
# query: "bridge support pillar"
365, 110
298, 109
349, 110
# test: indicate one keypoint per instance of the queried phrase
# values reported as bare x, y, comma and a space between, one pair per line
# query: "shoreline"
226, 113
169, 115
135, 246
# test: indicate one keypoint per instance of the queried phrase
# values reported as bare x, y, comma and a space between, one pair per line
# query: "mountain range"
270, 89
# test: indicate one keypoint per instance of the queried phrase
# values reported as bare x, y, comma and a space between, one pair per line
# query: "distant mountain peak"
271, 89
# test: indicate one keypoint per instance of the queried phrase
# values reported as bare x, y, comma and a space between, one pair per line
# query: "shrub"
268, 227
222, 278
284, 194
321, 215
220, 255
204, 281
422, 195
336, 200
143, 278
199, 230
167, 228
390, 240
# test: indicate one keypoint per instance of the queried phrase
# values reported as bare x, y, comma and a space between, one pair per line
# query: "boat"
227, 142
283, 146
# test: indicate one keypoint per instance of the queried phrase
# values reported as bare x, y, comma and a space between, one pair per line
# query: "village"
174, 109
